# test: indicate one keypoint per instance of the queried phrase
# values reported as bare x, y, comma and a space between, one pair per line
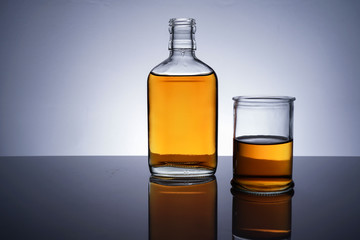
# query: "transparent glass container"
263, 144
182, 109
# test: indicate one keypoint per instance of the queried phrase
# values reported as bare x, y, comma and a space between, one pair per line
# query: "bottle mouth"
182, 21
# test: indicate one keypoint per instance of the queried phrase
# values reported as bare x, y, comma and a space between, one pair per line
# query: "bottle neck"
182, 52
182, 34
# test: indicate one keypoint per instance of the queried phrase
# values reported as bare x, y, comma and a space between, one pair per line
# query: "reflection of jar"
261, 217
183, 209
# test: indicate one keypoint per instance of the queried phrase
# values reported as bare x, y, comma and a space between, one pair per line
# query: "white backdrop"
73, 72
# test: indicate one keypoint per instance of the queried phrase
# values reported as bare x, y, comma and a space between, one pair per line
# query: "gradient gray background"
73, 72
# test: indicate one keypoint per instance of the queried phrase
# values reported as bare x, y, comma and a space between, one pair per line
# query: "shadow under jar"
263, 144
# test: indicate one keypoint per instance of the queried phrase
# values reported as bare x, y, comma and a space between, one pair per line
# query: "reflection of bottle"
261, 217
183, 209
182, 109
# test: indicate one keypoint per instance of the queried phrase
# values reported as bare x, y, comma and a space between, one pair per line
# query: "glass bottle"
182, 109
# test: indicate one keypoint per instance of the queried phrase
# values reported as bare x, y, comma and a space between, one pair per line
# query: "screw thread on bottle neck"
182, 33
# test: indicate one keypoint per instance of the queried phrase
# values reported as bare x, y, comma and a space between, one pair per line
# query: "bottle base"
181, 165
181, 172
181, 181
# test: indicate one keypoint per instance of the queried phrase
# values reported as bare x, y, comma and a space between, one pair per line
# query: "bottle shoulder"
182, 66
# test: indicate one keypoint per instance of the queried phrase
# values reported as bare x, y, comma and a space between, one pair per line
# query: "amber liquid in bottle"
262, 163
182, 114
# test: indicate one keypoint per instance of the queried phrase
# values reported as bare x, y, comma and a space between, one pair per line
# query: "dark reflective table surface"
93, 197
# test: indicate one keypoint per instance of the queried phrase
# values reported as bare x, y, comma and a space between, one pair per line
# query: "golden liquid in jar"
262, 163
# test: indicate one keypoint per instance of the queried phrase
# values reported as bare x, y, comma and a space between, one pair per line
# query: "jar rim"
263, 99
